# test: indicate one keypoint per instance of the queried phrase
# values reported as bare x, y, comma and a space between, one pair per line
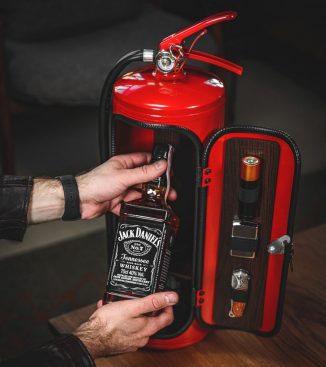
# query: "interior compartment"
132, 136
235, 150
195, 262
278, 192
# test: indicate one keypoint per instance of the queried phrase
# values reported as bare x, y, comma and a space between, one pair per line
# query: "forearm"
46, 202
14, 201
66, 350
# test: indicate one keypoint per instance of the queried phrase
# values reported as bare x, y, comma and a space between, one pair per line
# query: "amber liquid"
149, 226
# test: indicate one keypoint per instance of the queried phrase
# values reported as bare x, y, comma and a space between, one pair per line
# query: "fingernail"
159, 164
171, 298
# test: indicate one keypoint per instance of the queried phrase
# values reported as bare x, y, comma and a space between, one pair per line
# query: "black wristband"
71, 193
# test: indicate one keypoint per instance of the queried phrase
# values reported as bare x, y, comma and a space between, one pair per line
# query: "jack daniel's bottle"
144, 239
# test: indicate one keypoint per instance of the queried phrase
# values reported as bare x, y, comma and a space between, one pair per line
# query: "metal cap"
250, 168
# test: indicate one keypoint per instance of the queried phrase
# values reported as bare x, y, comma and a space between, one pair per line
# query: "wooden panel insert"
268, 152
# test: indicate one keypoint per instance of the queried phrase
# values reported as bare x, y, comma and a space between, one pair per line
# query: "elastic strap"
248, 196
244, 244
239, 296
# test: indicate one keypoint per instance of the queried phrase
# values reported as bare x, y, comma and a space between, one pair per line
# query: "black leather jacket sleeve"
14, 198
64, 351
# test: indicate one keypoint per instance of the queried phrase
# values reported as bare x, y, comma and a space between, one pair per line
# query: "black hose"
105, 113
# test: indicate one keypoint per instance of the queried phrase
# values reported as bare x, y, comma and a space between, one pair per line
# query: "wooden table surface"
300, 343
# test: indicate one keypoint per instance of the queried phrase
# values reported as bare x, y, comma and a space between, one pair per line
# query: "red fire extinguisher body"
195, 101
169, 92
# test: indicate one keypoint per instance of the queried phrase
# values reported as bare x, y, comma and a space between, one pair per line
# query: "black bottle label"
137, 257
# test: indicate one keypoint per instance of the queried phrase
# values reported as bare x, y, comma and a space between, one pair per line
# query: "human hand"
106, 186
123, 326
100, 190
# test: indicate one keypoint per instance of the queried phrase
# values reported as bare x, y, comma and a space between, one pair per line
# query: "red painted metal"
194, 334
196, 102
215, 60
194, 99
177, 39
279, 226
133, 139
213, 208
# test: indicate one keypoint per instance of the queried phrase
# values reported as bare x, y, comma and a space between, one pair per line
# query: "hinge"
206, 177
280, 246
200, 297
277, 247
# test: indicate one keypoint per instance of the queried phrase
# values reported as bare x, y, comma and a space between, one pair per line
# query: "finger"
156, 323
132, 160
99, 304
132, 195
116, 210
137, 187
143, 174
142, 342
153, 302
129, 196
172, 194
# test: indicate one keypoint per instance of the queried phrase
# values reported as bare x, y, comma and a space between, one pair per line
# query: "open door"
259, 249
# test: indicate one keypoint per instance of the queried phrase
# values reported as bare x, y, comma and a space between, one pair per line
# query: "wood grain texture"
300, 343
268, 152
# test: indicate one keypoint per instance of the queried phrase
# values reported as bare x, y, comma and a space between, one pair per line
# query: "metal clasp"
206, 177
277, 247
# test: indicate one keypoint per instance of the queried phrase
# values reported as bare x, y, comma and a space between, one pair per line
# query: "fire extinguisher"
166, 93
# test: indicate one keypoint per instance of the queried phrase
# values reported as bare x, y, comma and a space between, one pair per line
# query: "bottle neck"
155, 192
158, 189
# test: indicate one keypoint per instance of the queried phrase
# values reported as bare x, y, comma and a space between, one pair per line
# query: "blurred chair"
58, 52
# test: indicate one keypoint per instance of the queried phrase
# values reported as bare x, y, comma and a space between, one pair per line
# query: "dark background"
54, 58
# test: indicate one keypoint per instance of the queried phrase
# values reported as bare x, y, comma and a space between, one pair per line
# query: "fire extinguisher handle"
178, 37
175, 54
215, 60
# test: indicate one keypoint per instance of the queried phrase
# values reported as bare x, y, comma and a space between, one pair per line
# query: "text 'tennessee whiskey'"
144, 238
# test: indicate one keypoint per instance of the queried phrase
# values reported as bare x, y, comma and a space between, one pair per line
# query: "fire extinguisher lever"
173, 53
215, 60
178, 37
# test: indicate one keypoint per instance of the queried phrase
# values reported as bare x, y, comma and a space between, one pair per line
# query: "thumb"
153, 302
148, 172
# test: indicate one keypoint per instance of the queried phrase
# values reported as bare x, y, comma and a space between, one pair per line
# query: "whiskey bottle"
144, 239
